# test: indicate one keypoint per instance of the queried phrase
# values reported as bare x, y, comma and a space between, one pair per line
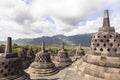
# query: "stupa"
42, 65
63, 58
103, 61
11, 65
79, 51
71, 53
27, 57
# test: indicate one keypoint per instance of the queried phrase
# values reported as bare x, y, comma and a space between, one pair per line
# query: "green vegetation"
2, 48
86, 49
18, 48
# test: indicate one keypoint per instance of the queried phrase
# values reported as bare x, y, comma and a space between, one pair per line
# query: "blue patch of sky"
27, 1
99, 14
82, 23
48, 18
95, 16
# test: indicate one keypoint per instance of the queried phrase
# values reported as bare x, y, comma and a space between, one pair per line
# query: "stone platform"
68, 73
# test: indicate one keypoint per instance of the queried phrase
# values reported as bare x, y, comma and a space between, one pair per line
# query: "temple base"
46, 69
104, 29
94, 72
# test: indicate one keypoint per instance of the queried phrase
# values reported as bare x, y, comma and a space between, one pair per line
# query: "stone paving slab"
71, 75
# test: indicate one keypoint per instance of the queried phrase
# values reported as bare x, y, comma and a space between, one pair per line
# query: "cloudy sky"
36, 18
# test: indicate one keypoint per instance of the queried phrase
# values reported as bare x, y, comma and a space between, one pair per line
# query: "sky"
36, 18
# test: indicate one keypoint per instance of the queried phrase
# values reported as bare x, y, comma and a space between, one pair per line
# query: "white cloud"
89, 27
70, 11
20, 19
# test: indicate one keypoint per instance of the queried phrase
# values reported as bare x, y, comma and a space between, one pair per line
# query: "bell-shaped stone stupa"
63, 58
42, 65
11, 65
79, 51
103, 61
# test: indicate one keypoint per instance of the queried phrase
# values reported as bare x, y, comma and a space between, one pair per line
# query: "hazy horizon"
46, 36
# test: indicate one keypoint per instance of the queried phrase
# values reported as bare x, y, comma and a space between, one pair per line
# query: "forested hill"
82, 39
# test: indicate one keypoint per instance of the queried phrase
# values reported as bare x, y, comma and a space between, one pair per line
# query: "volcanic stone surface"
42, 65
63, 58
103, 61
11, 65
80, 51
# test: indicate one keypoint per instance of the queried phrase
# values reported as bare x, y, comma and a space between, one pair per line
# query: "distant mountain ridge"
82, 39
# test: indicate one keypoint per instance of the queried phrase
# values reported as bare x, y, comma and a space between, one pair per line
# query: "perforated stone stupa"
42, 65
79, 51
63, 58
11, 65
27, 57
103, 61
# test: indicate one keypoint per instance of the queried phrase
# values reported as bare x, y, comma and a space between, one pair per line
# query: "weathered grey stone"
27, 57
80, 51
63, 58
103, 62
11, 65
8, 48
42, 65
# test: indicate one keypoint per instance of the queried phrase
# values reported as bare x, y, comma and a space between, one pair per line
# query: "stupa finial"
106, 22
43, 46
8, 48
63, 45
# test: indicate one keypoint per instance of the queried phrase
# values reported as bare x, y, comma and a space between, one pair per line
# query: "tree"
2, 48
16, 46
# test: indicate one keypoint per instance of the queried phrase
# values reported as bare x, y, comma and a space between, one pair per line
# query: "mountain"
82, 39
